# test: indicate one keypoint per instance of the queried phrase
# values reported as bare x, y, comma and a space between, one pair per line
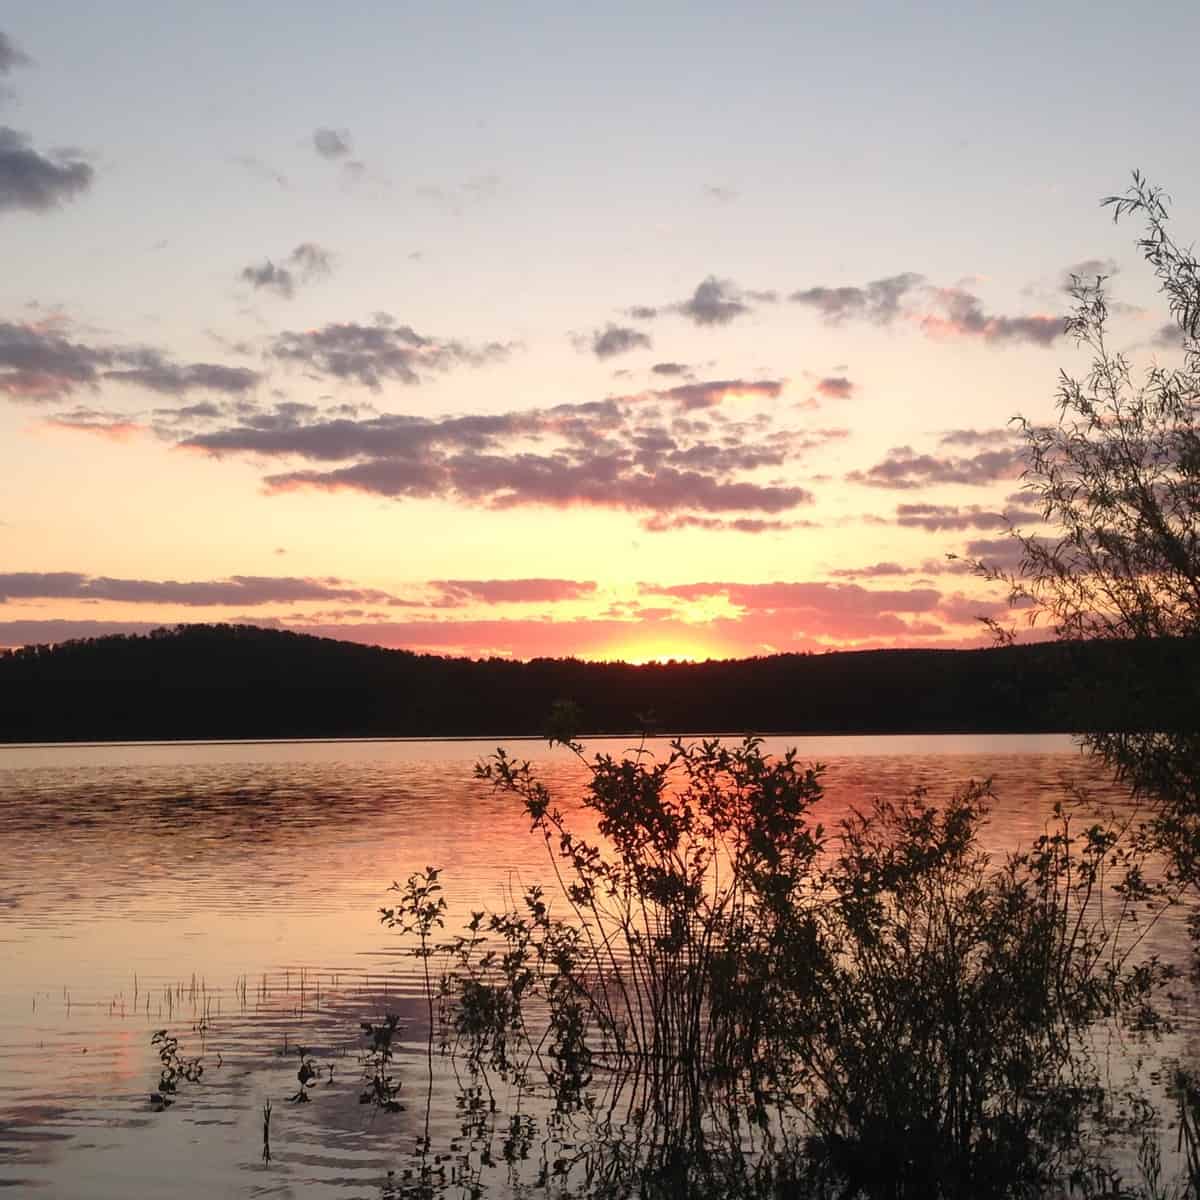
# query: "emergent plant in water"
878, 1008
175, 1068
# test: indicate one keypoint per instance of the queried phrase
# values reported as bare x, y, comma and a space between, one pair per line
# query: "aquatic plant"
174, 1068
306, 1076
380, 1087
878, 1009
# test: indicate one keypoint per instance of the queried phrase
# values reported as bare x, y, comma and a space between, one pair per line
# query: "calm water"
229, 892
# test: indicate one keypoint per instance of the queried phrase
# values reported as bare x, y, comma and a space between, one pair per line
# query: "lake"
230, 893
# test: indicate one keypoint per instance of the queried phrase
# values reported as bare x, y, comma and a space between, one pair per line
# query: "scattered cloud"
515, 591
961, 314
903, 468
978, 437
670, 368
775, 612
11, 55
722, 195
834, 387
1000, 554
616, 339
36, 182
1169, 337
615, 454
939, 517
663, 523
1087, 271
332, 143
306, 263
847, 597
370, 354
38, 363
151, 369
712, 392
714, 302
114, 426
243, 590
877, 301
938, 312
879, 570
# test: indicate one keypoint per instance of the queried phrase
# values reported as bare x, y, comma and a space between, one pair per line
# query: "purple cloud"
371, 354
38, 182
903, 469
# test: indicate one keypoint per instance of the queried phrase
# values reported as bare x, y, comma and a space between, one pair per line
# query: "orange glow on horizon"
654, 650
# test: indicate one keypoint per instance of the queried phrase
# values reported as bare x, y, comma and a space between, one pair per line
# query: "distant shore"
222, 683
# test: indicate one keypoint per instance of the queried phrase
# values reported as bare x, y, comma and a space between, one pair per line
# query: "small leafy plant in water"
306, 1076
380, 1087
174, 1069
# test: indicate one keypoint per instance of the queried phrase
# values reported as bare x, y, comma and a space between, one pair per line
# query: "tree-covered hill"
223, 681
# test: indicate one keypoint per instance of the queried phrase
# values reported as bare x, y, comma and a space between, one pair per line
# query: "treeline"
239, 681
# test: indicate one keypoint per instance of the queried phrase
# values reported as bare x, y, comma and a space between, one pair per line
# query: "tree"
1118, 480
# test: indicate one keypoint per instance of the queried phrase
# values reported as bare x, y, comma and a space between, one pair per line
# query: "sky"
629, 331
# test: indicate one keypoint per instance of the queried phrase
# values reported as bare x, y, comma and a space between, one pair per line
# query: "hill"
225, 681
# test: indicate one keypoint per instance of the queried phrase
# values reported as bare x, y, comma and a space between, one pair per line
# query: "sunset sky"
641, 331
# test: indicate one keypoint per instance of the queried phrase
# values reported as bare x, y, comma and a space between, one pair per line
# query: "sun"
642, 651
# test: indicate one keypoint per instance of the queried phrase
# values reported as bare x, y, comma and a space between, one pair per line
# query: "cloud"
877, 301
779, 613
875, 571
961, 315
36, 182
515, 591
607, 454
370, 354
307, 262
1169, 337
978, 437
939, 312
152, 370
268, 275
670, 368
332, 143
39, 364
11, 55
1087, 271
1001, 554
720, 619
714, 302
501, 482
938, 517
835, 387
969, 610
903, 468
839, 597
713, 392
618, 339
642, 312
244, 590
662, 523
117, 427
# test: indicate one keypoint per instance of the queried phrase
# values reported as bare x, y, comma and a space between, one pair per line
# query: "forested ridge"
227, 681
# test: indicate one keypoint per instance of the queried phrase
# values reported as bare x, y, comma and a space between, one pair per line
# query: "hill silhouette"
240, 681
